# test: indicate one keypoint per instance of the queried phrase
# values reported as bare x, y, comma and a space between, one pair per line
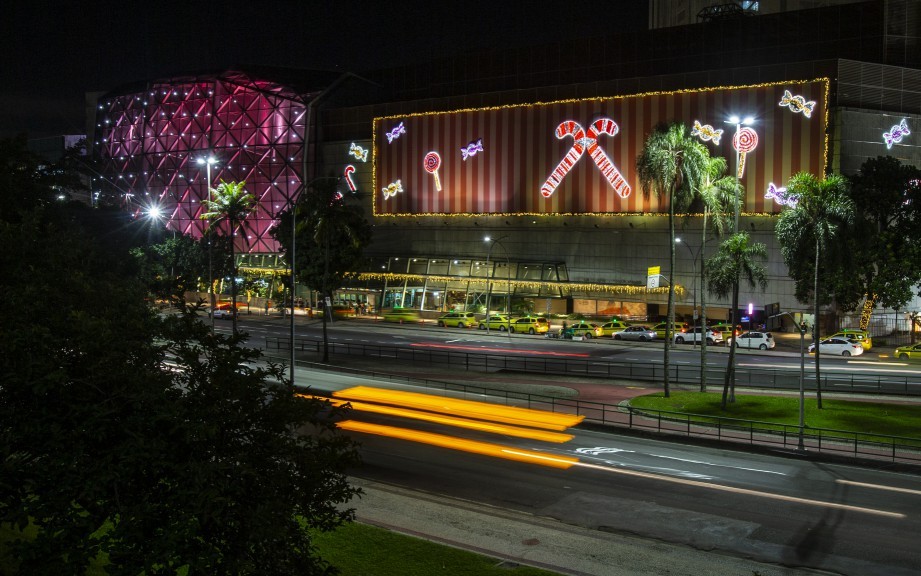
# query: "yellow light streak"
879, 487
454, 443
463, 408
494, 428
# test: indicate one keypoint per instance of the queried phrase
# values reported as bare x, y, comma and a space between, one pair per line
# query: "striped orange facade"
523, 147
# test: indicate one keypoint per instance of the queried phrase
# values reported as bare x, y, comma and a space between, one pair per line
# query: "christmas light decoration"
348, 177
895, 134
780, 196
706, 132
395, 133
392, 189
796, 103
358, 152
431, 163
744, 141
582, 141
471, 149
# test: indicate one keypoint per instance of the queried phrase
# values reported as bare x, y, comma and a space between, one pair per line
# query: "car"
695, 335
586, 330
861, 336
676, 328
726, 329
498, 322
838, 347
911, 352
531, 325
609, 328
753, 340
401, 315
222, 313
457, 320
641, 333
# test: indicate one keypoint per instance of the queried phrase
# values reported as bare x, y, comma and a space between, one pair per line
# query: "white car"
838, 347
640, 333
753, 340
225, 313
693, 335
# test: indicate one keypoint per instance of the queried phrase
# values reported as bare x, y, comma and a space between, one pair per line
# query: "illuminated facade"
148, 143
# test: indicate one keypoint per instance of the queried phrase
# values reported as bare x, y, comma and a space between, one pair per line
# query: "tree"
175, 266
231, 203
717, 196
737, 258
672, 165
331, 236
211, 462
806, 232
881, 260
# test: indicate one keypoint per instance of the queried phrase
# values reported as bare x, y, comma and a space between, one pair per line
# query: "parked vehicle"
676, 328
696, 335
726, 329
498, 322
222, 314
457, 320
861, 336
639, 333
609, 328
753, 340
838, 347
531, 325
586, 330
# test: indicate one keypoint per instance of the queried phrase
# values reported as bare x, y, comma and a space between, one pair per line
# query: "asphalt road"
776, 510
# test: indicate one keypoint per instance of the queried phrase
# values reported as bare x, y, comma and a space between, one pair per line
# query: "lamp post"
508, 268
694, 283
208, 162
802, 376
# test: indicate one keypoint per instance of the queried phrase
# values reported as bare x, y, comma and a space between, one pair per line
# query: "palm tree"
672, 165
718, 195
808, 229
736, 259
230, 202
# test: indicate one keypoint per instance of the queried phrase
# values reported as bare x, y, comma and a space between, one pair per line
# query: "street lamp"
802, 375
508, 269
208, 162
695, 280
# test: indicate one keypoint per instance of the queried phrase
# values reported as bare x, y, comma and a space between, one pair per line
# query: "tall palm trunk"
233, 278
703, 308
815, 325
729, 382
327, 294
670, 314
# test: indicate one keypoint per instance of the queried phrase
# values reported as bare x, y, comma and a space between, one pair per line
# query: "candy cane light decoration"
348, 177
583, 141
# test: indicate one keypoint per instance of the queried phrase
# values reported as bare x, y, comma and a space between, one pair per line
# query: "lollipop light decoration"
431, 163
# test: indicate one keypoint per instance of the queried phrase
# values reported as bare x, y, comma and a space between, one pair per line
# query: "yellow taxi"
498, 322
910, 352
530, 325
457, 320
677, 328
586, 330
862, 336
401, 315
609, 328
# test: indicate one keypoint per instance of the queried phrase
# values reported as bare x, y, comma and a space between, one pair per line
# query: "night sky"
52, 53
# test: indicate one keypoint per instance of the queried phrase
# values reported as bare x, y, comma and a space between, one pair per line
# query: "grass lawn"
359, 550
363, 550
862, 417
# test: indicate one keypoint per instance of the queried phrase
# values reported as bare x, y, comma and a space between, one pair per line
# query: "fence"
842, 443
766, 378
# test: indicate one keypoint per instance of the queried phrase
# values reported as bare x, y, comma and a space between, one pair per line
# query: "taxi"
401, 315
530, 325
677, 328
911, 352
498, 322
457, 320
609, 328
586, 330
862, 336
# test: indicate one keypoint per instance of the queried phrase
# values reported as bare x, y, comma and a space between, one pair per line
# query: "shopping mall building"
535, 148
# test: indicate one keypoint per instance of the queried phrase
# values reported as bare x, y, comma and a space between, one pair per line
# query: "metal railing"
826, 441
765, 378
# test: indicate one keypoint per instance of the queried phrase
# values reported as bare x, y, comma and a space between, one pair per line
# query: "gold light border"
374, 147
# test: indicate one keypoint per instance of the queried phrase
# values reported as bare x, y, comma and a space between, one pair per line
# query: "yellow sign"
653, 271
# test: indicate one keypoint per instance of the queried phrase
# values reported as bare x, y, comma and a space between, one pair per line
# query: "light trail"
463, 408
492, 427
879, 487
464, 445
